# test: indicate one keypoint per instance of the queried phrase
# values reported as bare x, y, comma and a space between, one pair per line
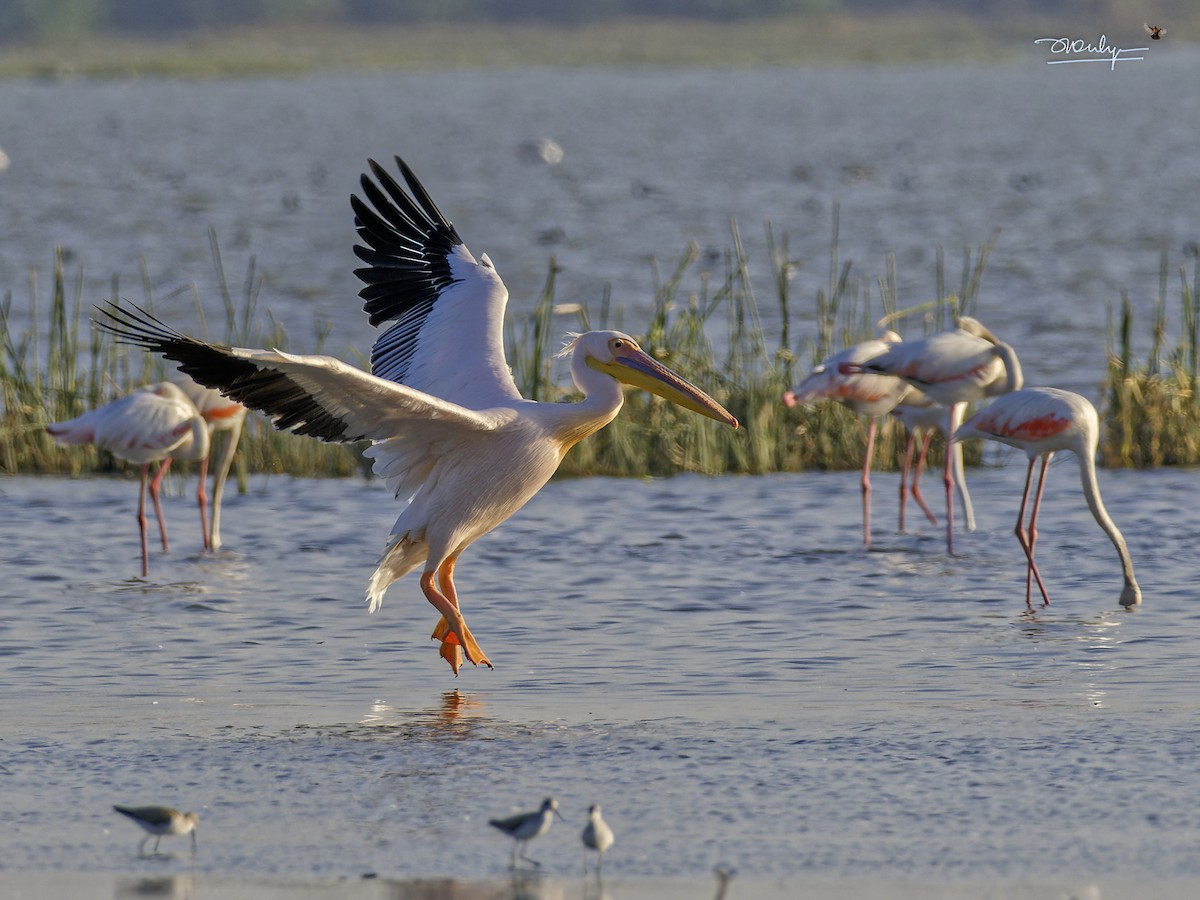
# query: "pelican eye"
620, 344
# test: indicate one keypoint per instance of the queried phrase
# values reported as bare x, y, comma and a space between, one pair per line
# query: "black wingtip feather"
406, 243
256, 386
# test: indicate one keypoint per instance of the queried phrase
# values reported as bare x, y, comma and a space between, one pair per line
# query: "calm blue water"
717, 661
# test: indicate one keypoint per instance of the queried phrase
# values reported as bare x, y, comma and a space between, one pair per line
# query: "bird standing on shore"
1042, 421
161, 821
156, 423
523, 827
598, 836
449, 430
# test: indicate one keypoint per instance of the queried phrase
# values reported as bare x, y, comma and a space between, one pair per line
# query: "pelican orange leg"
451, 629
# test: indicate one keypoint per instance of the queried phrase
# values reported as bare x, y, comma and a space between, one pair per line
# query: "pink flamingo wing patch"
1036, 429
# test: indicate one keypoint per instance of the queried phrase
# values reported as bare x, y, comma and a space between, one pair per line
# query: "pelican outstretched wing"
312, 395
447, 308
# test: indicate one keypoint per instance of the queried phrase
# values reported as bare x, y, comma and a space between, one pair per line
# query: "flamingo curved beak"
635, 367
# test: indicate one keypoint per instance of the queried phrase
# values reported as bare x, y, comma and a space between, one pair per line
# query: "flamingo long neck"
1013, 376
222, 472
198, 447
1132, 594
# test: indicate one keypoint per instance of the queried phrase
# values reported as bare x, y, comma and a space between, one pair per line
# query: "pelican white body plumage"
450, 432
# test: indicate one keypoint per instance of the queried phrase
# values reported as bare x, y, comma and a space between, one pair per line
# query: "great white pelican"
449, 430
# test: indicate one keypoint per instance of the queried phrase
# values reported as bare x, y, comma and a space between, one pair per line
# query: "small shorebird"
159, 821
596, 836
524, 827
723, 873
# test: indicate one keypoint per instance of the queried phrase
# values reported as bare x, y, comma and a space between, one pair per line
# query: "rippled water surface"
1088, 173
719, 662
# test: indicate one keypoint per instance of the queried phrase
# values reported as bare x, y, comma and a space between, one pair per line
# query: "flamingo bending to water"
1042, 421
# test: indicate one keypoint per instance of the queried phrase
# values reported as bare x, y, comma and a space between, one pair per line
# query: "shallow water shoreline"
856, 723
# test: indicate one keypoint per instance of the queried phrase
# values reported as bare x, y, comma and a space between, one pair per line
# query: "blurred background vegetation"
65, 19
73, 18
189, 38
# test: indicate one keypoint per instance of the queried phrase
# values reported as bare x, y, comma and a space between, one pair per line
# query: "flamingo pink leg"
202, 501
953, 419
1028, 538
141, 517
866, 481
155, 484
905, 469
916, 479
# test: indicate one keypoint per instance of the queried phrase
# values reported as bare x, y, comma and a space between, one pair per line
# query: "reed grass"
1150, 416
70, 367
705, 323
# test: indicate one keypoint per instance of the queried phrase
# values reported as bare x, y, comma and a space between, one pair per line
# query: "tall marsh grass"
56, 373
1151, 417
706, 323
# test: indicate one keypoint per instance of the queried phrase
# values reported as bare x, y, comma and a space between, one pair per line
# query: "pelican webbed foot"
456, 645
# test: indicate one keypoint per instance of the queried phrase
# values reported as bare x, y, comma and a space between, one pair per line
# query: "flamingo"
921, 417
951, 368
222, 415
449, 430
867, 394
156, 423
1042, 421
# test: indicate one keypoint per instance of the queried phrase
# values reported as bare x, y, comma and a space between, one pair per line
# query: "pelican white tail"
401, 557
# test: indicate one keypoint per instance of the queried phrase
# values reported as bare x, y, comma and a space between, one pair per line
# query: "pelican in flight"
449, 430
